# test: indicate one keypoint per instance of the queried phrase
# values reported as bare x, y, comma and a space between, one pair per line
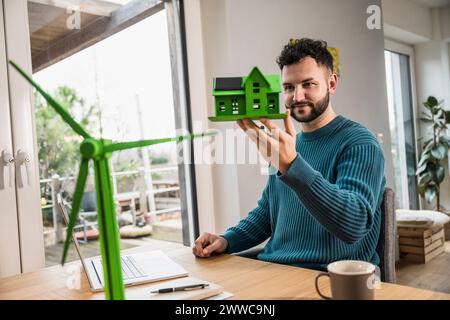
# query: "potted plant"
430, 169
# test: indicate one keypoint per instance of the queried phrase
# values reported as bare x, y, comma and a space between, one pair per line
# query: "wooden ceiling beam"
94, 7
96, 31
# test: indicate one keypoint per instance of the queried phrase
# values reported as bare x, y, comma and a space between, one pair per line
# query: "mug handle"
317, 285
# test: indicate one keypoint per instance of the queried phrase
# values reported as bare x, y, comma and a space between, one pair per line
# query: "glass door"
115, 66
111, 65
402, 126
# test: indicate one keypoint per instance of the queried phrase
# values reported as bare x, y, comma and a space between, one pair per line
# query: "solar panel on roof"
225, 84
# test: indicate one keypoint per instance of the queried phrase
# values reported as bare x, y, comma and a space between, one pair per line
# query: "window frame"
398, 47
9, 235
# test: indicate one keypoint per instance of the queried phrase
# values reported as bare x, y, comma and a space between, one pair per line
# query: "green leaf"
424, 159
424, 178
432, 101
427, 115
447, 116
435, 110
445, 140
439, 152
428, 146
430, 193
431, 166
422, 168
439, 174
421, 190
426, 120
439, 119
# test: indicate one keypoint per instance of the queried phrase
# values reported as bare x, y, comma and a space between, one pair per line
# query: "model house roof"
256, 74
236, 85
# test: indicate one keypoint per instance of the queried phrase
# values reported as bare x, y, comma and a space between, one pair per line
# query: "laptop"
137, 268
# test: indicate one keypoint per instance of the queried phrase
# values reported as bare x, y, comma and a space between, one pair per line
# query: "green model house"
251, 97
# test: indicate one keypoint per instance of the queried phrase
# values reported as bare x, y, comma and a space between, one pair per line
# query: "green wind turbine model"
100, 150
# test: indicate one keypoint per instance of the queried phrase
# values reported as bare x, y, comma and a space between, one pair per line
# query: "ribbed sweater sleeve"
345, 208
252, 230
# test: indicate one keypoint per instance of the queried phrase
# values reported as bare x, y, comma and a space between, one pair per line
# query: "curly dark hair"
298, 49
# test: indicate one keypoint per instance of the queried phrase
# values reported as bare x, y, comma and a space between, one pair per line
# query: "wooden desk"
245, 278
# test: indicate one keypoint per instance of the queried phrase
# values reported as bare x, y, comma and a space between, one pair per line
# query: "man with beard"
324, 203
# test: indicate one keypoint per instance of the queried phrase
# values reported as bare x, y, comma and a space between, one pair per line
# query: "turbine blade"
58, 108
144, 143
76, 201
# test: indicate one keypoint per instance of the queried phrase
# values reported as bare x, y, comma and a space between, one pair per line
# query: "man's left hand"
277, 147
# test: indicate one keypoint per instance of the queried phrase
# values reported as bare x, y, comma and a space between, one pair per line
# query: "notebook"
144, 293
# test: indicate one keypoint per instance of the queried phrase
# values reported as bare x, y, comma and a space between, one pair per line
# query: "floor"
434, 275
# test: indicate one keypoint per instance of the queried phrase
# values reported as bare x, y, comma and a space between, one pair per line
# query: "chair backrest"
388, 235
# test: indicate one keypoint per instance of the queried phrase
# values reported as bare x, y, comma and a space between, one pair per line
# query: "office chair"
388, 237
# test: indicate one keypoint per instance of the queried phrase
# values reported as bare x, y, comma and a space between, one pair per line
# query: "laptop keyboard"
129, 268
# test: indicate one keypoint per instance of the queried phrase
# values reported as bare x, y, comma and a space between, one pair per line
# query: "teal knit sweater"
326, 207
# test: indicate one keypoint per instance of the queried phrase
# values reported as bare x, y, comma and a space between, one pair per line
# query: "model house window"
271, 104
235, 106
119, 84
256, 104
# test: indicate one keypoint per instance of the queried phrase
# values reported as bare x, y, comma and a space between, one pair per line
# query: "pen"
182, 288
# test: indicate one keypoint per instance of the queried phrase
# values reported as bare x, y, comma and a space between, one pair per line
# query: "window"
119, 85
402, 127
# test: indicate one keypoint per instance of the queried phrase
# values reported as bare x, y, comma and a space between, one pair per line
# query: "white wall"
407, 21
433, 78
239, 34
445, 23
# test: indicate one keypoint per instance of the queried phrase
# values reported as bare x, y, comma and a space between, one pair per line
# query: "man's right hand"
209, 243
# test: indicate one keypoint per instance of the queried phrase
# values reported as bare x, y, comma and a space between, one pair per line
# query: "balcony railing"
148, 188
